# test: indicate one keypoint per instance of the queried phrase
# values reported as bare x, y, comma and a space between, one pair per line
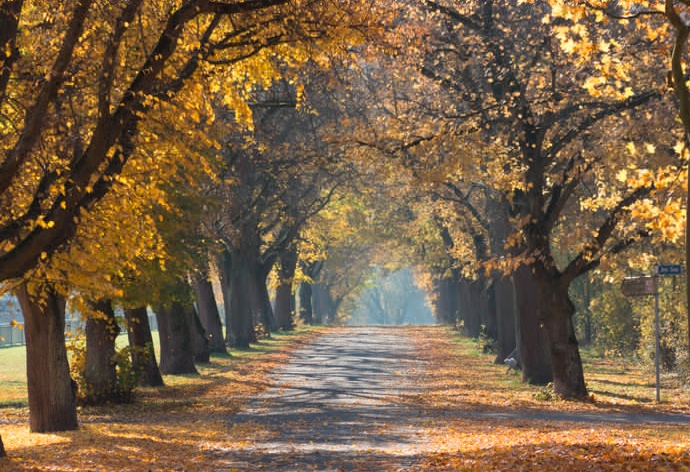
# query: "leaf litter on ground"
465, 394
184, 425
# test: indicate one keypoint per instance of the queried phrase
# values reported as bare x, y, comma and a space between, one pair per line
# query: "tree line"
149, 147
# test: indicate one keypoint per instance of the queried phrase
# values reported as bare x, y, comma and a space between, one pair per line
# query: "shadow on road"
335, 406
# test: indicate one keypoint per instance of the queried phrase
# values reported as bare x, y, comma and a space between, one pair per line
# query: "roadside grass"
164, 427
481, 417
13, 364
614, 383
13, 391
13, 376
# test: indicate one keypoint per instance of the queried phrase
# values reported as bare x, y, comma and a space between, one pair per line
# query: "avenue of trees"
513, 159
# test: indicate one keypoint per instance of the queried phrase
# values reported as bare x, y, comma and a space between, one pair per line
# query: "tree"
663, 22
175, 316
76, 182
508, 108
100, 377
281, 173
141, 344
285, 296
52, 398
208, 310
73, 103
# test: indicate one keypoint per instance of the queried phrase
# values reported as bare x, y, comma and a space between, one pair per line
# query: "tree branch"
593, 250
34, 120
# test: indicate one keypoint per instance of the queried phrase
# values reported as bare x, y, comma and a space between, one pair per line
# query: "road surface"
335, 406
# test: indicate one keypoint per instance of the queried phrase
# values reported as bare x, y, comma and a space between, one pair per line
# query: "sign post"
639, 286
673, 269
649, 285
657, 345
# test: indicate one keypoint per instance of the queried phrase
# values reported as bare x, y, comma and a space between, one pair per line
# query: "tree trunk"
100, 375
261, 300
489, 320
285, 296
324, 306
141, 342
448, 298
2, 449
52, 402
177, 352
532, 340
505, 317
240, 323
317, 300
208, 311
471, 306
285, 306
200, 343
499, 230
225, 273
306, 311
558, 311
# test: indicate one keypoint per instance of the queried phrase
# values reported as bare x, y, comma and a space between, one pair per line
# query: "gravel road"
335, 406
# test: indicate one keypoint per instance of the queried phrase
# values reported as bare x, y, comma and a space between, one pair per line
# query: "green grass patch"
13, 376
13, 390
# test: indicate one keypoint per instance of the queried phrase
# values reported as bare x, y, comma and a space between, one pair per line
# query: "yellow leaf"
631, 148
679, 147
568, 45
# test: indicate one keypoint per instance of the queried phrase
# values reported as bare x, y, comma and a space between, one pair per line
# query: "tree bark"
141, 342
504, 296
472, 305
225, 273
261, 300
240, 323
177, 352
306, 311
447, 309
323, 304
558, 311
52, 402
208, 311
505, 317
532, 340
2, 449
285, 296
202, 353
489, 320
100, 375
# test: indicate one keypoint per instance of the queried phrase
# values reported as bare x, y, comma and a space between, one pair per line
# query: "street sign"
673, 269
637, 286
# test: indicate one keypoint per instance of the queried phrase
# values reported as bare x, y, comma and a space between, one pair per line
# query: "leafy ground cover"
463, 412
163, 428
483, 418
